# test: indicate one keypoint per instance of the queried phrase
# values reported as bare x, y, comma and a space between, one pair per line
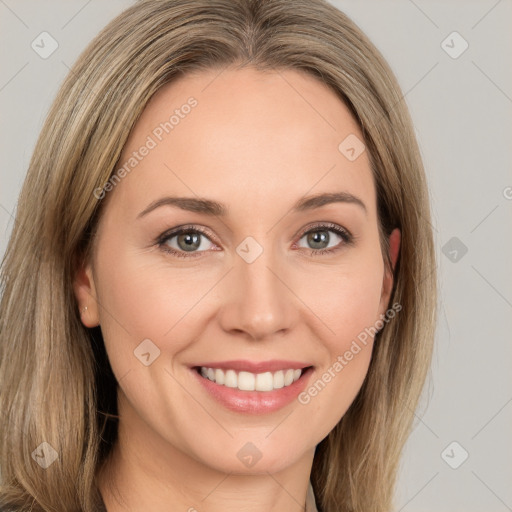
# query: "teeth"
247, 381
264, 381
230, 379
278, 379
219, 377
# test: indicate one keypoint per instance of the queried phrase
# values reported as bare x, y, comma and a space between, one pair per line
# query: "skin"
257, 142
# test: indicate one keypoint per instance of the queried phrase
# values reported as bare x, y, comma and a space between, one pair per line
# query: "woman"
219, 292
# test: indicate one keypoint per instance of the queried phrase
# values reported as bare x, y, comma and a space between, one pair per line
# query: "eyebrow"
214, 208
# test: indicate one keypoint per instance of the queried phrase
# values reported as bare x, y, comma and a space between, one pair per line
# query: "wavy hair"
56, 385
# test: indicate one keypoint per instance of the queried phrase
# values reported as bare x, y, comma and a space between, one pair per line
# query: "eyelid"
327, 226
177, 230
341, 231
161, 241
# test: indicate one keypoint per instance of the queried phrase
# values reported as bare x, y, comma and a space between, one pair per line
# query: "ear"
388, 281
85, 293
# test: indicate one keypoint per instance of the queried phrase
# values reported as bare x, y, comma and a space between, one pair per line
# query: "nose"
259, 302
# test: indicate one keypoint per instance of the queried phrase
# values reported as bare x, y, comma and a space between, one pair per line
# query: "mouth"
253, 388
251, 381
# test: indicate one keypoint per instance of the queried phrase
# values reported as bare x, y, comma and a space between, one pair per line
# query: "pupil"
191, 240
319, 237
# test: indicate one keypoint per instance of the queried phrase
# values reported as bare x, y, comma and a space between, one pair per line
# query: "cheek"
141, 300
347, 302
355, 305
346, 299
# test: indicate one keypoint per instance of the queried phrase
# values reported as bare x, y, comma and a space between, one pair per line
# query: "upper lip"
253, 366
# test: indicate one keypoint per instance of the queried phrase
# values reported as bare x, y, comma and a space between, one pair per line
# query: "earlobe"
85, 293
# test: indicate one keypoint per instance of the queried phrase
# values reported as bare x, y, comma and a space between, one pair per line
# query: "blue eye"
191, 241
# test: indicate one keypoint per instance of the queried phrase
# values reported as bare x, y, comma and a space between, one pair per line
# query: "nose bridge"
258, 302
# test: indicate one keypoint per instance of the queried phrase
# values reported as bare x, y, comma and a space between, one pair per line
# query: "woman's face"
257, 286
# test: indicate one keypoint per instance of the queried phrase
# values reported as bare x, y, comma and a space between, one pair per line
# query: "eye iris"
191, 240
318, 237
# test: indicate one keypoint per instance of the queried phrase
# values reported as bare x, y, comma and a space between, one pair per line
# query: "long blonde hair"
56, 385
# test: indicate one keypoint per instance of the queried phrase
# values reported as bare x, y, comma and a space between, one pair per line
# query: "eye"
185, 242
319, 238
191, 241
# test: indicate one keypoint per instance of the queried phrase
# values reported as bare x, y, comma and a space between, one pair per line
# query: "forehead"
272, 134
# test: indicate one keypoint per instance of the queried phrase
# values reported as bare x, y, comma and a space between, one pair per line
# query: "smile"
253, 387
247, 381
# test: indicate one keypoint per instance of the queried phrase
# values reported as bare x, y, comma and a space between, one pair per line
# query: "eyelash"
344, 234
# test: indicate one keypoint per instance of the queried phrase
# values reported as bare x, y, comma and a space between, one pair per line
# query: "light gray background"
462, 113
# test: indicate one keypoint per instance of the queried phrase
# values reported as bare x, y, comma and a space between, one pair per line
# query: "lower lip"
254, 402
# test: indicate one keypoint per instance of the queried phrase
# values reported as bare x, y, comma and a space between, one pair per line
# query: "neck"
146, 472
